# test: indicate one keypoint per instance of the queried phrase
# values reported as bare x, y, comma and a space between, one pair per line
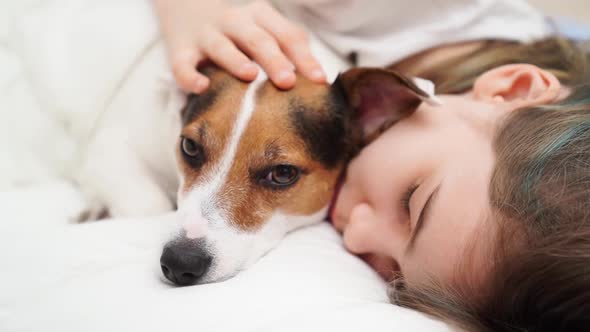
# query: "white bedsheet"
104, 276
63, 62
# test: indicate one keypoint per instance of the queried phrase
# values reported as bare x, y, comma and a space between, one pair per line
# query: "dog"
245, 163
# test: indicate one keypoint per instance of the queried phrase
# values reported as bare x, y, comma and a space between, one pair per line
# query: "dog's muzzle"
185, 261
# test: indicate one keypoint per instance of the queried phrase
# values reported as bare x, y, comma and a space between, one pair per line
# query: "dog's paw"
92, 212
91, 215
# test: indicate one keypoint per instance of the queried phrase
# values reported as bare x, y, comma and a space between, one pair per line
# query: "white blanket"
64, 61
104, 276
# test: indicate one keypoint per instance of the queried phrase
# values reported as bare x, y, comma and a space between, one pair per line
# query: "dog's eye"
192, 152
282, 176
189, 147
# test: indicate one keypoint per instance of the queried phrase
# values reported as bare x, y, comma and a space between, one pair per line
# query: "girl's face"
416, 199
413, 198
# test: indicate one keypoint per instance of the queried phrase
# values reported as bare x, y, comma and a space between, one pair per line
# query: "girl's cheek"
339, 218
347, 198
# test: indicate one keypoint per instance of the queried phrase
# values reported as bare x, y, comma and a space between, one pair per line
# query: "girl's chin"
385, 266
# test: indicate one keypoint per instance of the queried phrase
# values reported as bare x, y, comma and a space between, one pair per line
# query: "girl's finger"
264, 50
292, 40
184, 68
225, 54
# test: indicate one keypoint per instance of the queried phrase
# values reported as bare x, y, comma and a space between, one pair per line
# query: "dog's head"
256, 162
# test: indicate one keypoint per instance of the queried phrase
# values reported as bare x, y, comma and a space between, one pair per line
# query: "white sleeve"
381, 32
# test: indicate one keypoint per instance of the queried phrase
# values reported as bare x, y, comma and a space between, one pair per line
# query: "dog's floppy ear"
378, 98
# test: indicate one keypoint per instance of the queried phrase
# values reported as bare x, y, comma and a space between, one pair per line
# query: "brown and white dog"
250, 163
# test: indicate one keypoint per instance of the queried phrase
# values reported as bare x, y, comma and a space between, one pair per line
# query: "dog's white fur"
128, 165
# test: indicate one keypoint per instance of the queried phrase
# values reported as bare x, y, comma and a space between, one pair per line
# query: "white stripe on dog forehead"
246, 110
198, 203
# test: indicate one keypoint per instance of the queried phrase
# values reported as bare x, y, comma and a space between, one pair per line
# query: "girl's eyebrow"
424, 215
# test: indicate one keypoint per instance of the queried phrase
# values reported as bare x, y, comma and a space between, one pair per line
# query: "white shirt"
382, 32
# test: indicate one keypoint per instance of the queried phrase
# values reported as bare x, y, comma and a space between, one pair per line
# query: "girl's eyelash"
405, 201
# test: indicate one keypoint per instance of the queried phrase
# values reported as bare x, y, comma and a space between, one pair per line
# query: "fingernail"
318, 75
284, 75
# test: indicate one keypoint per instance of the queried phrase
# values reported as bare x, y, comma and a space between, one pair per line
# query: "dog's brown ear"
378, 98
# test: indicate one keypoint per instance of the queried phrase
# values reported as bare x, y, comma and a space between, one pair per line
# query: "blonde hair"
539, 192
568, 61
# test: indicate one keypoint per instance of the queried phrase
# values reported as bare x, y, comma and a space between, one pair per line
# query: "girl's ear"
378, 98
516, 86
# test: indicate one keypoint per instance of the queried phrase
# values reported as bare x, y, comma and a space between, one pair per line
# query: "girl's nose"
368, 233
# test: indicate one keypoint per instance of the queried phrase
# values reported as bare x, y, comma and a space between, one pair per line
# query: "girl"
476, 209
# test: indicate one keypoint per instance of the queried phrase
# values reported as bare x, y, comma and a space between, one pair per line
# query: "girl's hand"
197, 30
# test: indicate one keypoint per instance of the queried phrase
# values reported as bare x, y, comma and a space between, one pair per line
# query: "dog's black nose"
184, 263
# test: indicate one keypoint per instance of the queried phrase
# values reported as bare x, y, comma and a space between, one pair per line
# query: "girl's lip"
385, 266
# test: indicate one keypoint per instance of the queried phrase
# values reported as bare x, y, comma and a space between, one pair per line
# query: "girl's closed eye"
405, 200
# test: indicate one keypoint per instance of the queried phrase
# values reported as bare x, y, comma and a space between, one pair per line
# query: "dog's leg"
122, 185
128, 166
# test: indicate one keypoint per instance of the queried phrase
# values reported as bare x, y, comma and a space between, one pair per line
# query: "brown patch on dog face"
209, 125
274, 137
